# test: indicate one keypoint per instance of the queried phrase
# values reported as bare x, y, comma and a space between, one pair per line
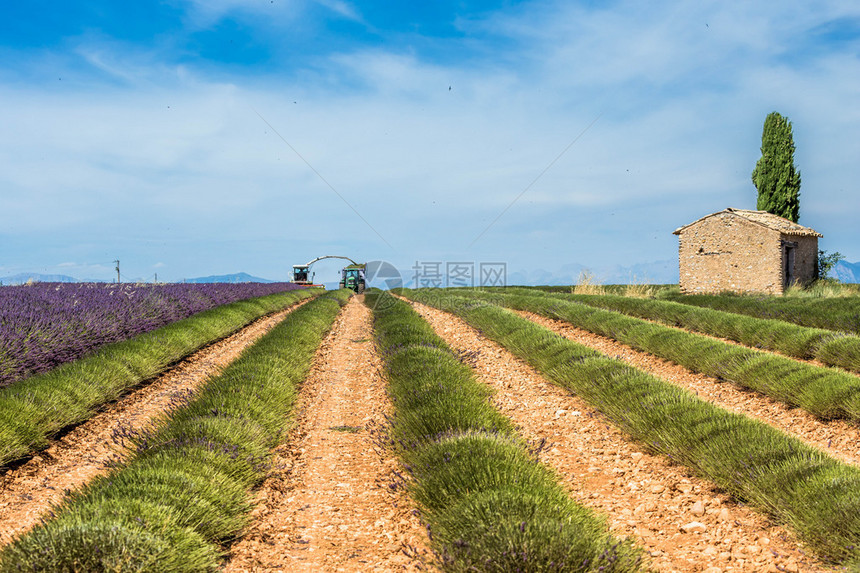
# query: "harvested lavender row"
488, 504
44, 325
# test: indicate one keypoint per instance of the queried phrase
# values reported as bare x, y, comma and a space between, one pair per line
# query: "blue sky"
193, 137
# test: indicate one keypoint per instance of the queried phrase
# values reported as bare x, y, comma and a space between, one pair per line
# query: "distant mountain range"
654, 272
234, 278
22, 278
846, 272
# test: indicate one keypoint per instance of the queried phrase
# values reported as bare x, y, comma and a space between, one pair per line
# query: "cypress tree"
775, 177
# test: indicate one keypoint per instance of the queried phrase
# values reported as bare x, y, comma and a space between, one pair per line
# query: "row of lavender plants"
44, 325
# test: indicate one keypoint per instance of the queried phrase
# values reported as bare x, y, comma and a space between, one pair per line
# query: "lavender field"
44, 325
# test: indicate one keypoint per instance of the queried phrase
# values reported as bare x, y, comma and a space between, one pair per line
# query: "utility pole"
117, 271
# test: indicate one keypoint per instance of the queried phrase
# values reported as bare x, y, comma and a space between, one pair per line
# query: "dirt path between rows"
838, 438
328, 506
28, 492
642, 495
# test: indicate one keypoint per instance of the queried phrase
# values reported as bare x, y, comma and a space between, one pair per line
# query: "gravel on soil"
329, 506
30, 490
684, 523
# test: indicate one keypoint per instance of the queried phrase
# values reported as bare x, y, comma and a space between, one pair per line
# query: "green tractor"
352, 277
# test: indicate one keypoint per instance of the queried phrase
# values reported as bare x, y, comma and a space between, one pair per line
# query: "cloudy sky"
197, 137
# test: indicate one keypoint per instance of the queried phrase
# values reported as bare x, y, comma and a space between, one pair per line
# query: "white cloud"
342, 8
104, 61
204, 14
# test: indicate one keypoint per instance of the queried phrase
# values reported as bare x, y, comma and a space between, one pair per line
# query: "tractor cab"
352, 277
300, 275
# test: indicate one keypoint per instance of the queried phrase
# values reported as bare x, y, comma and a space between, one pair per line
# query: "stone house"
745, 252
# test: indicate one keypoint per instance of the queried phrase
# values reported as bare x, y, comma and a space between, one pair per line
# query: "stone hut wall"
729, 253
806, 257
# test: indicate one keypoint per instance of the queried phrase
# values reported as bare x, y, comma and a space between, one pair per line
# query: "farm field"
30, 489
645, 496
36, 407
825, 392
43, 325
435, 431
184, 488
327, 506
687, 423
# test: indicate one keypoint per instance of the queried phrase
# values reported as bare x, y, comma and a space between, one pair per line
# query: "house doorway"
788, 274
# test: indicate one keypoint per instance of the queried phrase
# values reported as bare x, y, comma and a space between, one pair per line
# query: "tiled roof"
769, 220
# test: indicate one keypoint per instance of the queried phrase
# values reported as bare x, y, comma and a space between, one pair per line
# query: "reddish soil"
28, 491
683, 522
329, 507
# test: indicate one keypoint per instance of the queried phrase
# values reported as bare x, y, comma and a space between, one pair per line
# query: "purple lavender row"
47, 324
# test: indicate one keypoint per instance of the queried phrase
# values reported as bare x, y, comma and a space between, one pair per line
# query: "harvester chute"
352, 276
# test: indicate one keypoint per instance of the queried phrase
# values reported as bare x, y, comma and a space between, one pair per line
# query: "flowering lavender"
47, 324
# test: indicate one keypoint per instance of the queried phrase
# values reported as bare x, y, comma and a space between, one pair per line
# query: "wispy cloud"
344, 9
207, 13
